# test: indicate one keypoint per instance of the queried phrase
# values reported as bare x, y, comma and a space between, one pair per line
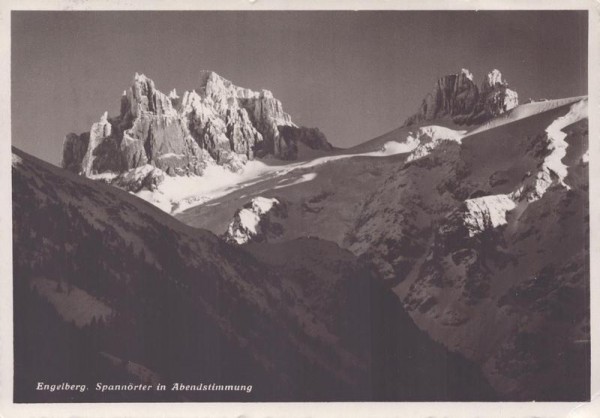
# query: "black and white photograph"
225, 206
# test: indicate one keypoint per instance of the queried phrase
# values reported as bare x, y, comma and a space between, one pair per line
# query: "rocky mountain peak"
218, 123
458, 98
494, 79
207, 77
104, 118
211, 83
144, 97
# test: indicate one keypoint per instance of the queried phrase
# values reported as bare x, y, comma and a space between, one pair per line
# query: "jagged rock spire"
456, 96
218, 122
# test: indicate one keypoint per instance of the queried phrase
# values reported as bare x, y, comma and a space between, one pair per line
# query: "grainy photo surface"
300, 206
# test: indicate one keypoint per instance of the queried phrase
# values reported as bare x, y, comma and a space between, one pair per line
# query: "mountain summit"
456, 96
216, 123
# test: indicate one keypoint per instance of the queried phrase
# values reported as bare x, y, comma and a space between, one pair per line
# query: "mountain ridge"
457, 97
216, 123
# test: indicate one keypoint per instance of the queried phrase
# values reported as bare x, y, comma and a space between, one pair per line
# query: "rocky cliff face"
217, 123
74, 150
457, 97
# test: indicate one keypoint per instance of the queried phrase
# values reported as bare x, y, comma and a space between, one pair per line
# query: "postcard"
330, 209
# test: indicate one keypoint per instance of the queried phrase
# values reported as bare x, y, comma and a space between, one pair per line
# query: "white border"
491, 410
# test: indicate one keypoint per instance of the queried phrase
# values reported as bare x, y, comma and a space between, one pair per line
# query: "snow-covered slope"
152, 298
342, 178
177, 194
486, 245
525, 111
451, 224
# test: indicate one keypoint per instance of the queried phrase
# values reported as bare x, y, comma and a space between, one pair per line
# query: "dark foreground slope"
109, 289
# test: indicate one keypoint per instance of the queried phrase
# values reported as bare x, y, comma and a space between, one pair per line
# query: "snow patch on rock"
428, 138
245, 226
171, 155
494, 78
490, 211
511, 99
553, 171
173, 94
486, 212
105, 177
393, 147
146, 176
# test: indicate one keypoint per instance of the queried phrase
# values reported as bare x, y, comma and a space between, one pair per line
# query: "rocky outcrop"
256, 221
102, 152
74, 149
479, 214
484, 213
290, 137
217, 123
148, 130
457, 97
552, 171
427, 138
144, 177
495, 98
